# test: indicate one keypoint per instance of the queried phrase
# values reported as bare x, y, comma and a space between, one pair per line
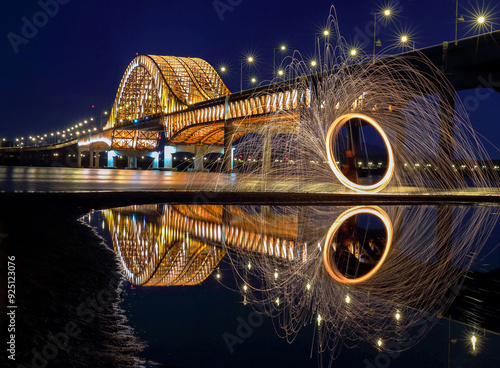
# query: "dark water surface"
79, 303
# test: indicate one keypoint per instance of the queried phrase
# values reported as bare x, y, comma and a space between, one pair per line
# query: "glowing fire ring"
331, 267
331, 138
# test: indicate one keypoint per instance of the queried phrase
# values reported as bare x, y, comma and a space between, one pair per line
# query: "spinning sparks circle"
327, 255
331, 140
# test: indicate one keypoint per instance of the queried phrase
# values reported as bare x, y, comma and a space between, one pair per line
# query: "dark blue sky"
77, 58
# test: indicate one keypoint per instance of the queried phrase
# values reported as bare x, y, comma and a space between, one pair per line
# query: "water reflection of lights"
421, 263
415, 279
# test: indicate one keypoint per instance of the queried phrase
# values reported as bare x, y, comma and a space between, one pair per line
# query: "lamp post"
325, 34
282, 49
457, 19
386, 13
103, 113
248, 60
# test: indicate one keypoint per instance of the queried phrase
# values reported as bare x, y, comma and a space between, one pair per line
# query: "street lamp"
406, 40
325, 34
482, 22
386, 13
282, 49
249, 60
102, 114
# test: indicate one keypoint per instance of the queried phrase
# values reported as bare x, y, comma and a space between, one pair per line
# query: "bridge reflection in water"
366, 273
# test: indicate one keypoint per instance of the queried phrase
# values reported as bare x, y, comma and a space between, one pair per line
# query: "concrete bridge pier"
156, 160
266, 153
111, 159
446, 128
78, 157
227, 162
167, 156
200, 151
91, 158
132, 162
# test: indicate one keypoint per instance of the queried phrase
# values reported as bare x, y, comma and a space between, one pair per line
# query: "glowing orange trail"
331, 138
331, 267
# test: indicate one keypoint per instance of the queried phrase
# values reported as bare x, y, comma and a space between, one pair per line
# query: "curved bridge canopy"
155, 85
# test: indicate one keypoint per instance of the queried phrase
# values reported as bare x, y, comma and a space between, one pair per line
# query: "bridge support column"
266, 153
200, 151
227, 162
78, 157
91, 157
167, 156
98, 159
111, 158
156, 160
446, 128
132, 162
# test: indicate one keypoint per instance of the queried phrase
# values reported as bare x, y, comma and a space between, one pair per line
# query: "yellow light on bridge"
353, 52
313, 63
280, 72
398, 316
481, 19
379, 342
250, 59
326, 32
223, 69
254, 80
473, 340
404, 38
283, 47
387, 12
347, 299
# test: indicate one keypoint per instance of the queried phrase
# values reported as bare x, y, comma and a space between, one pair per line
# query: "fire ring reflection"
333, 248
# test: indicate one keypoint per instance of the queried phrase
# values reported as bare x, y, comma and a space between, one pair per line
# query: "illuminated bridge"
187, 100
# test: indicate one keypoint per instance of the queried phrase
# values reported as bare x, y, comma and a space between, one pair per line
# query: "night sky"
51, 79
